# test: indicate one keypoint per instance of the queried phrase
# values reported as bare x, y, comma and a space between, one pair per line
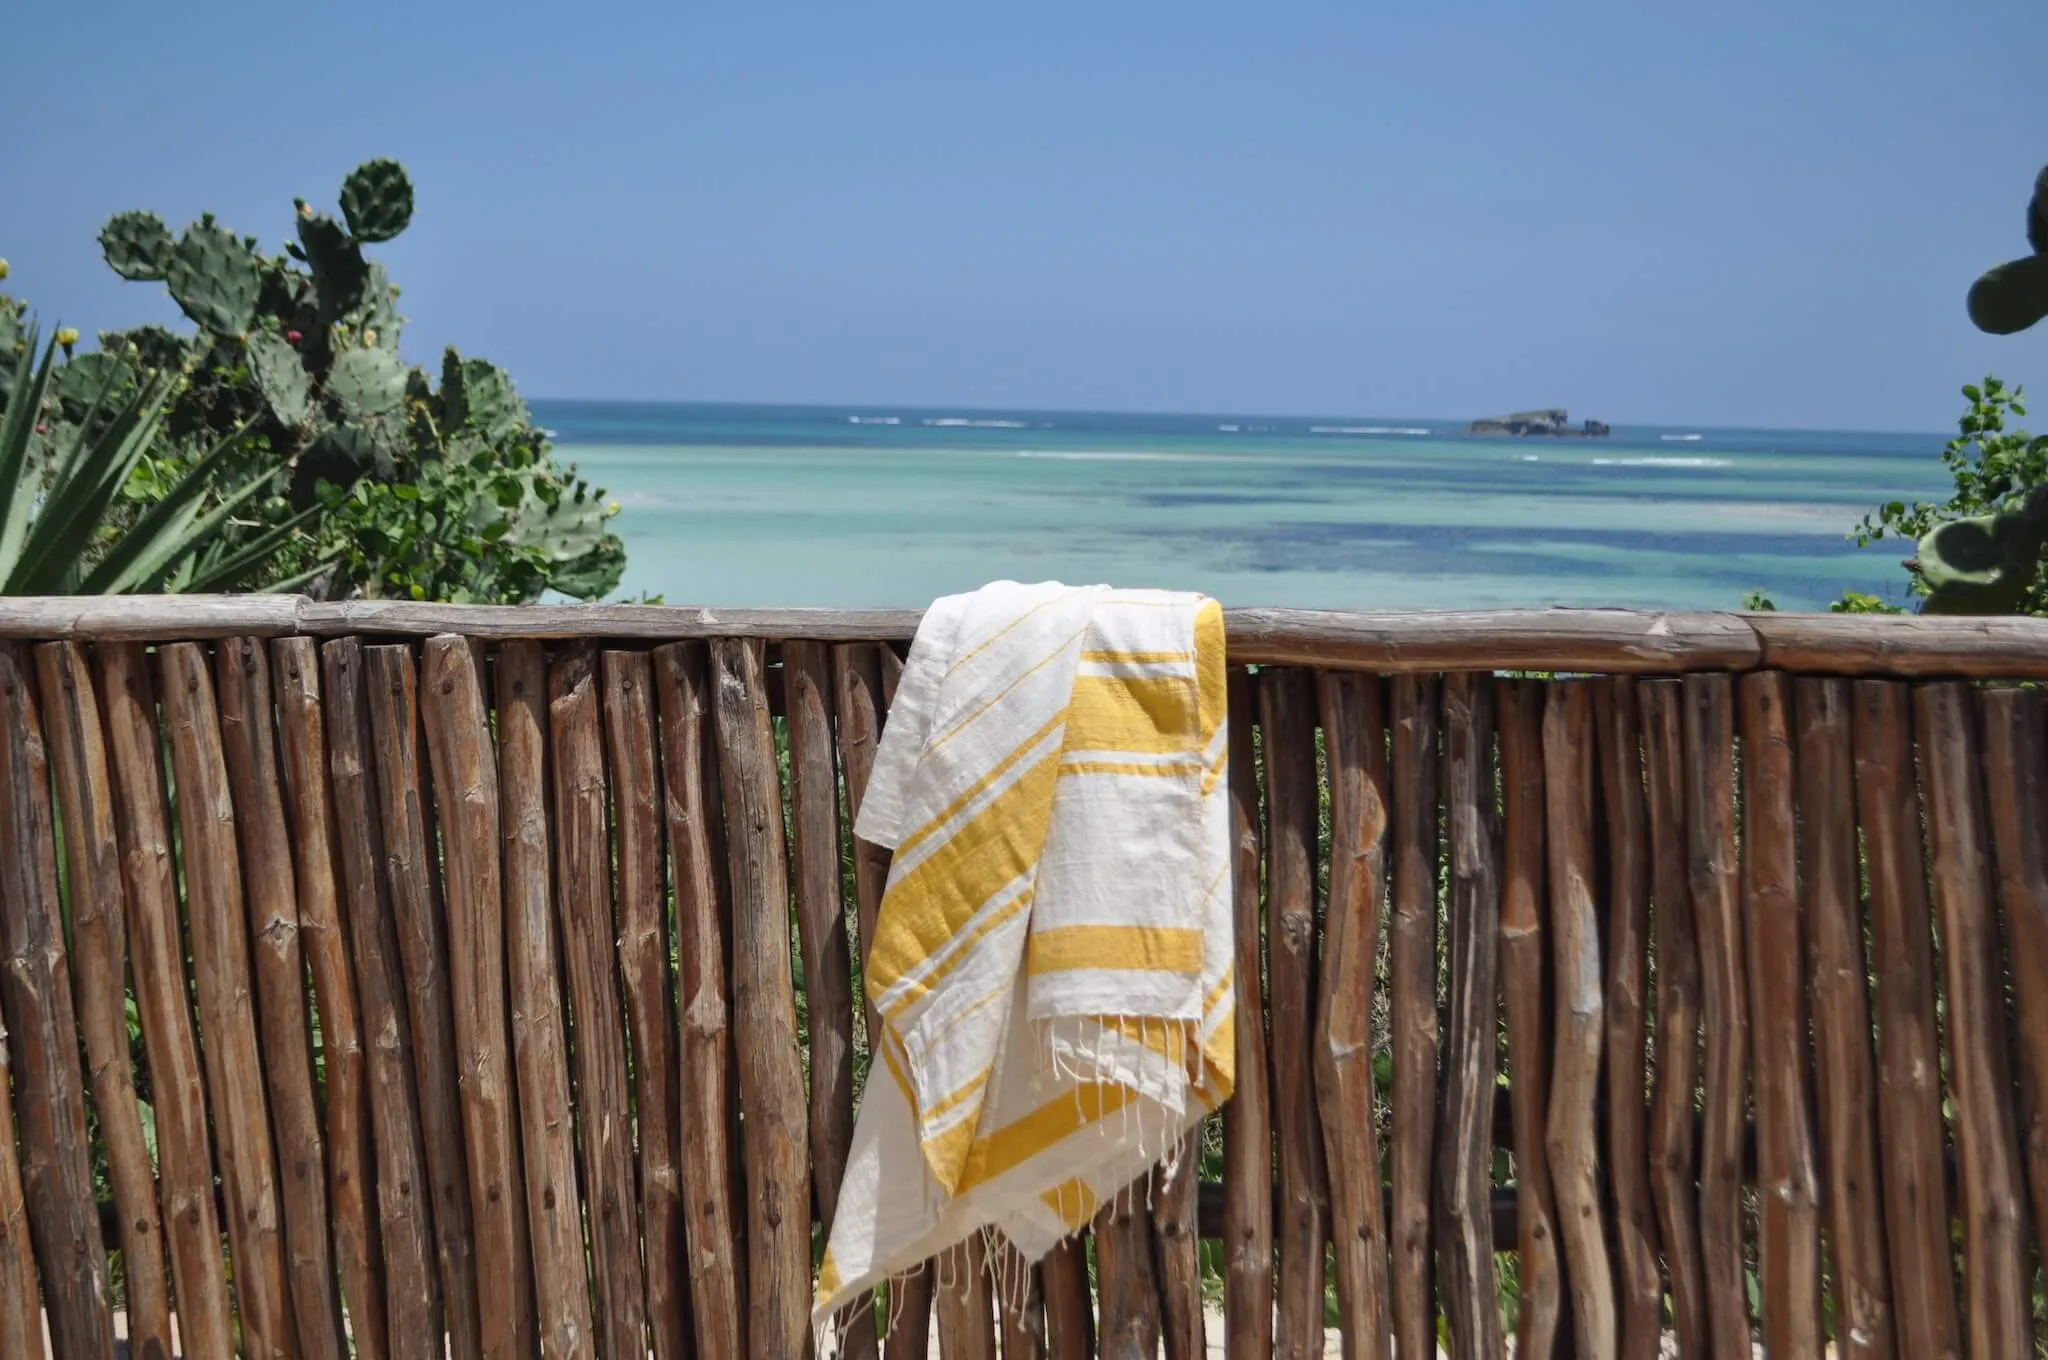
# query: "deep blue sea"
775, 505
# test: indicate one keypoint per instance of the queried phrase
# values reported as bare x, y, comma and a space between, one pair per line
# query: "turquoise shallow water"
752, 505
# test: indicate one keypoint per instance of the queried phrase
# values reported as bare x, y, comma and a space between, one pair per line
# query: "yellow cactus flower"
67, 337
369, 339
3, 269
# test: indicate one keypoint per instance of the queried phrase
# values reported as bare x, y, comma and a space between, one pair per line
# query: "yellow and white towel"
1052, 958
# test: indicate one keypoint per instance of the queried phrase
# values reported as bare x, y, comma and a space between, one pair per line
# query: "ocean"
735, 505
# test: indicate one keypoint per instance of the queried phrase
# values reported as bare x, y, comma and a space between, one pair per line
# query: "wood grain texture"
764, 1007
222, 971
1572, 1135
1069, 1312
1020, 1309
965, 1303
99, 952
649, 988
464, 764
1788, 1188
20, 1306
351, 1154
1128, 1283
1247, 1115
1908, 1058
696, 840
1999, 1313
1355, 748
583, 857
271, 897
1715, 878
554, 1202
1175, 1242
35, 989
821, 937
404, 1213
1673, 1144
1287, 720
1525, 997
392, 684
1471, 1049
185, 1188
1639, 1286
1411, 966
1838, 989
2016, 774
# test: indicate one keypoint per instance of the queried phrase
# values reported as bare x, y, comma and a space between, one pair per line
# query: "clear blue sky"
1748, 212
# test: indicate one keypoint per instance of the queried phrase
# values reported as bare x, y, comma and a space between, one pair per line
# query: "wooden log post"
1411, 965
1355, 747
1639, 1287
583, 858
857, 677
21, 1323
1128, 1282
1572, 1136
1069, 1312
1908, 1058
554, 1203
2016, 771
1715, 874
1525, 998
1672, 1143
351, 1154
405, 1215
1471, 1049
391, 683
650, 1007
821, 937
1176, 1248
764, 995
1020, 1308
1788, 1190
2000, 1315
1287, 702
465, 773
1247, 1118
99, 948
191, 1214
271, 897
696, 840
221, 968
35, 988
1839, 989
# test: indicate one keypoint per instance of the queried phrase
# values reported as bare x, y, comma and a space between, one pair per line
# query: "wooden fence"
376, 974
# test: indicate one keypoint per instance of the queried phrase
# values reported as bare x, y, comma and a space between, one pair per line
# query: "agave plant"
60, 486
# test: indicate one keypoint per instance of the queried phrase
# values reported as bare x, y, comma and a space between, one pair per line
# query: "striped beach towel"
1052, 958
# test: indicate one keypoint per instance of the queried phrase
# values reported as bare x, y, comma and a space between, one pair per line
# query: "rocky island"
1556, 423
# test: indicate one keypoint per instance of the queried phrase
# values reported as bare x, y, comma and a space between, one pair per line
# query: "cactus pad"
150, 346
137, 245
585, 559
281, 378
340, 274
376, 199
97, 378
367, 383
2037, 215
493, 404
1985, 564
2011, 297
214, 278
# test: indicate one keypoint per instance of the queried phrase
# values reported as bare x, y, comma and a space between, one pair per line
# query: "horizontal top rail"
1606, 641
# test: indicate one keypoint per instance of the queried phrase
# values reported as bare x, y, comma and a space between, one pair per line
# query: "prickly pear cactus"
96, 379
214, 278
493, 404
336, 262
1985, 564
137, 245
567, 521
376, 198
367, 383
2013, 296
281, 377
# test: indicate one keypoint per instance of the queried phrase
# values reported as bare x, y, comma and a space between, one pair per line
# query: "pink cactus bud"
42, 427
292, 337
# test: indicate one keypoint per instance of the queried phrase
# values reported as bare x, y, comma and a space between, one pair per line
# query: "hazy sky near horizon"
1753, 213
